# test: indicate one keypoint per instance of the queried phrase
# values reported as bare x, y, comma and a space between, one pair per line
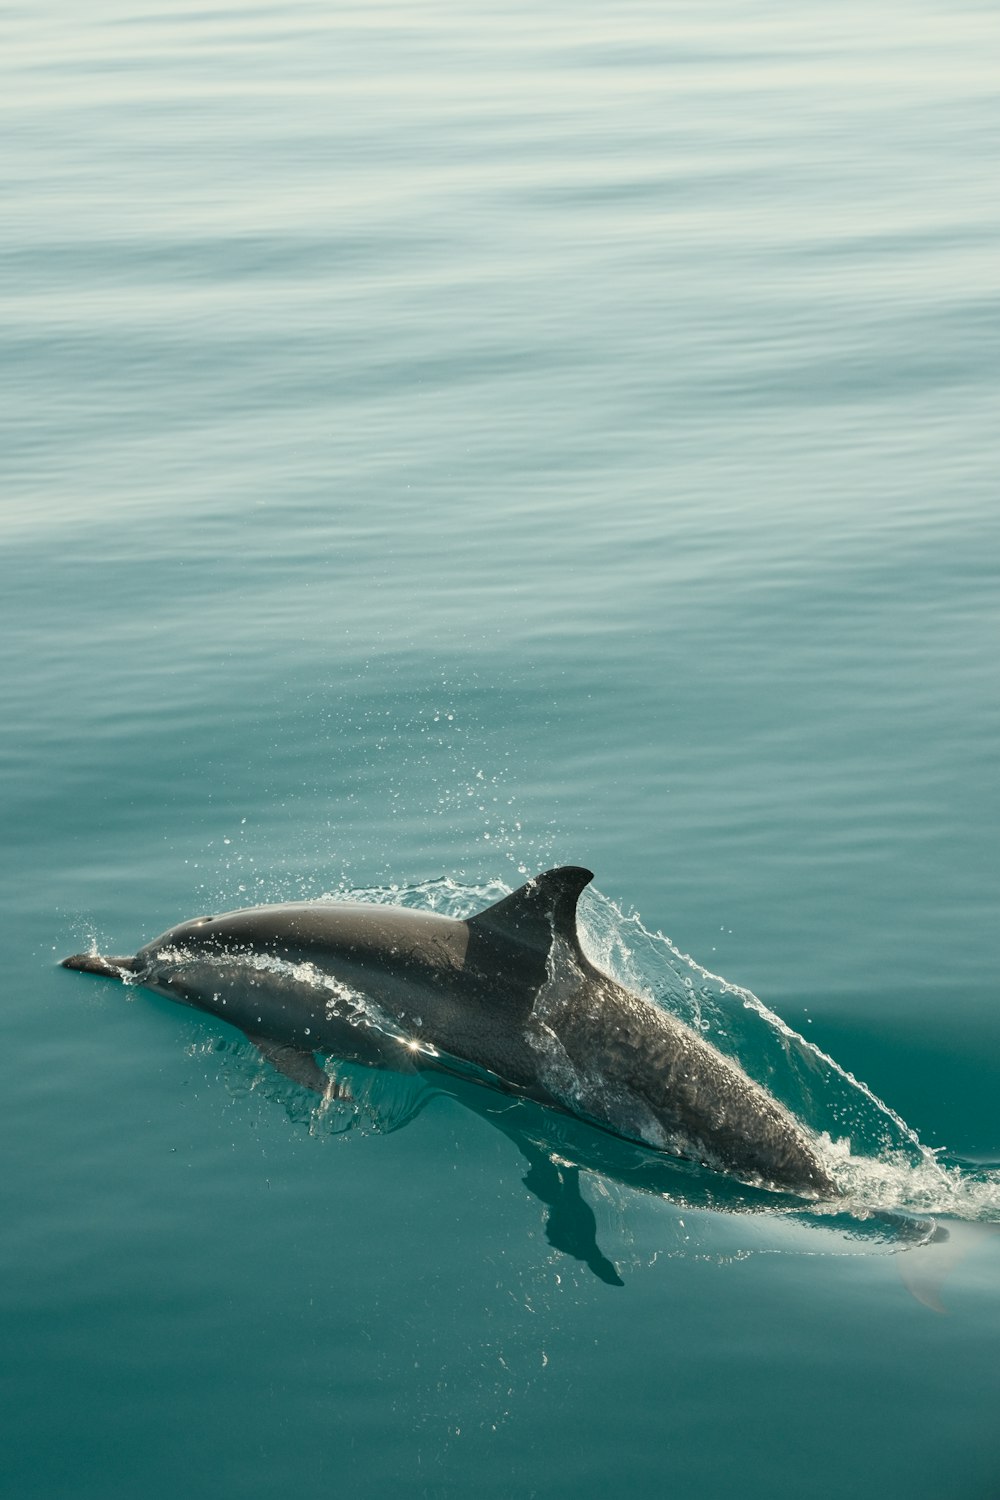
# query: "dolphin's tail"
93, 963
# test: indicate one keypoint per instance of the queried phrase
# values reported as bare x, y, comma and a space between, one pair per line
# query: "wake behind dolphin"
508, 993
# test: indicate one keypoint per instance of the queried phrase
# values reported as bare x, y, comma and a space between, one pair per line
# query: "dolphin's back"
305, 930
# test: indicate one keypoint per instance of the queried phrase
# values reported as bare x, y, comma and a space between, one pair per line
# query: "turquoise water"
440, 442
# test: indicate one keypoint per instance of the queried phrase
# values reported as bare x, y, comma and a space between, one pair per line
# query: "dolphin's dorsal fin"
541, 910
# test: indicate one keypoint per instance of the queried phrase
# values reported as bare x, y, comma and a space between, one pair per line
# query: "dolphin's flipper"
571, 1226
301, 1067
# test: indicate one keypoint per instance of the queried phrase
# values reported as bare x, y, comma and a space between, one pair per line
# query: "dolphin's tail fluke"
93, 963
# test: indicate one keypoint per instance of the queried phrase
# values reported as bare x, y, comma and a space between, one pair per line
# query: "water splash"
874, 1156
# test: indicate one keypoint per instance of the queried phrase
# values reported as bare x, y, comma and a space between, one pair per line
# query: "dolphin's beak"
93, 963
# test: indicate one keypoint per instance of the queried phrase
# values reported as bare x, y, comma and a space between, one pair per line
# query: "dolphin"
507, 997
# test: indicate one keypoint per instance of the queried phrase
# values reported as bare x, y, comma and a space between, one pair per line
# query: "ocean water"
439, 442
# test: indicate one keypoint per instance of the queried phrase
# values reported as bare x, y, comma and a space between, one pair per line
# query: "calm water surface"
439, 442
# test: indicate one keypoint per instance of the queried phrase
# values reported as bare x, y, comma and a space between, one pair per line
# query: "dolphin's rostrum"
509, 993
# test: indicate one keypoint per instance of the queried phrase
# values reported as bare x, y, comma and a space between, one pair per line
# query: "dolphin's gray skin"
508, 994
